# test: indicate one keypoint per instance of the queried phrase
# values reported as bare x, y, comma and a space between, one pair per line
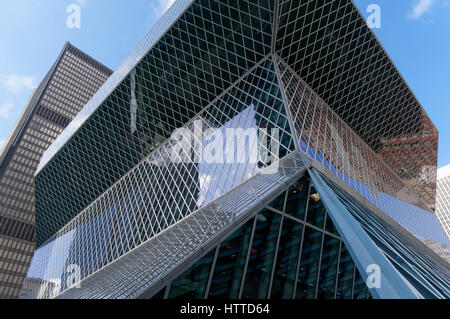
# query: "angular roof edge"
395, 65
144, 46
27, 113
35, 98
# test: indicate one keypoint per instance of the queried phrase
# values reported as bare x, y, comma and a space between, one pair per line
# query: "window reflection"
230, 264
297, 199
360, 290
345, 276
328, 268
192, 284
287, 260
262, 256
309, 264
316, 210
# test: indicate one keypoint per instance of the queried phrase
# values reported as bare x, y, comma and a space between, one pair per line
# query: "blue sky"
415, 33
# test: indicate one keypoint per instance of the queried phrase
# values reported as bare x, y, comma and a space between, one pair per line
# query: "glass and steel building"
66, 88
443, 197
339, 203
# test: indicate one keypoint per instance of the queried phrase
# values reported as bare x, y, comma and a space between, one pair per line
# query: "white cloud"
165, 4
16, 83
5, 109
161, 6
419, 8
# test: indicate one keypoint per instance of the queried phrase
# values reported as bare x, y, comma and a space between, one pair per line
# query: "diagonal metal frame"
152, 261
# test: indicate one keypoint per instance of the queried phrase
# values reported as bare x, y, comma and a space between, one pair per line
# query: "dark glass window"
278, 203
297, 199
328, 268
230, 264
316, 210
330, 227
360, 290
309, 264
160, 294
192, 283
287, 260
262, 256
345, 276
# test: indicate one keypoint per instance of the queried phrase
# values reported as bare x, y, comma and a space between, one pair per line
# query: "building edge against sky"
69, 84
313, 70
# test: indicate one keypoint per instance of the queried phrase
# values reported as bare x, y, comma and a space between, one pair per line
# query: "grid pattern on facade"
429, 277
105, 205
269, 258
254, 102
443, 200
332, 49
325, 137
132, 273
292, 200
64, 91
134, 209
207, 49
289, 250
186, 67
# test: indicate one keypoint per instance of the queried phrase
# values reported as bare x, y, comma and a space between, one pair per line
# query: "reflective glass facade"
443, 198
133, 217
70, 83
283, 258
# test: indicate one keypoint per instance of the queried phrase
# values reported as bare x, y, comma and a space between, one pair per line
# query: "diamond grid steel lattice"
255, 102
205, 51
443, 201
162, 252
157, 193
329, 45
109, 184
428, 276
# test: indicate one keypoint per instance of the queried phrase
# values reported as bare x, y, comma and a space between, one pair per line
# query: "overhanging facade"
109, 195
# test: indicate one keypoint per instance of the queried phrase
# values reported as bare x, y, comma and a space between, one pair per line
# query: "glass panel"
160, 294
330, 227
345, 276
328, 268
297, 199
360, 290
278, 203
230, 264
309, 264
316, 210
287, 260
192, 284
262, 255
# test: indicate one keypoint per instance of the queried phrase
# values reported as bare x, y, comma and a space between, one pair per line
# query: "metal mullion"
174, 182
320, 265
156, 193
286, 102
337, 269
211, 274
162, 192
353, 280
303, 239
247, 258
125, 199
280, 230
